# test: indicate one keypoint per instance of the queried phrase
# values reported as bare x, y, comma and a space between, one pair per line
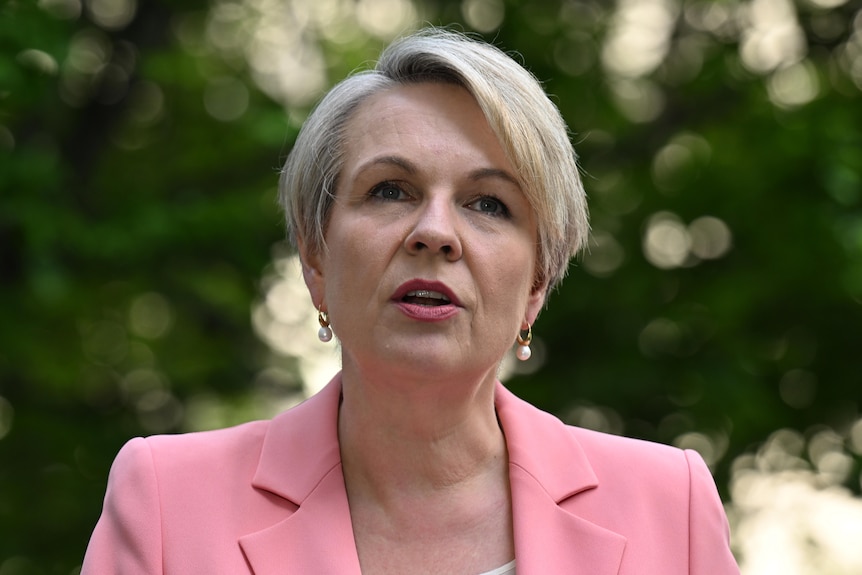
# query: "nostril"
427, 237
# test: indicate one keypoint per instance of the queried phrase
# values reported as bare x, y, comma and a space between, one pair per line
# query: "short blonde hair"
529, 126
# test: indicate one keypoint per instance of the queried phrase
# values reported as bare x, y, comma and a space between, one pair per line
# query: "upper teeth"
427, 294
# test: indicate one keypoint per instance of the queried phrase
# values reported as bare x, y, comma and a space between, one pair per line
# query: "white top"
507, 569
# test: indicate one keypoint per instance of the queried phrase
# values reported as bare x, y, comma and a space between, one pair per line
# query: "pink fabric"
268, 497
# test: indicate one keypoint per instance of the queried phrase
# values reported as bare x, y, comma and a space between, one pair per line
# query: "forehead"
435, 98
429, 118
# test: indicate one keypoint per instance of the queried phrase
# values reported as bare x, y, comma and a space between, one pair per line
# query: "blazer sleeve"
127, 538
709, 534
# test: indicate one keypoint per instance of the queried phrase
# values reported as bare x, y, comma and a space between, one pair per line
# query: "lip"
424, 312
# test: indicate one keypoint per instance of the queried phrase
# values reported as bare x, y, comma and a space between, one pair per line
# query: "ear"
312, 273
535, 301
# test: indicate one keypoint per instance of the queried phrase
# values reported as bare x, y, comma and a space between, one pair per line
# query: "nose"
435, 230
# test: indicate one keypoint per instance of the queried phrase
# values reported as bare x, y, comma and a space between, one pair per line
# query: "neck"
418, 439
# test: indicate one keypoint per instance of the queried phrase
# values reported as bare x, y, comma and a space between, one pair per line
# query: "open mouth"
425, 297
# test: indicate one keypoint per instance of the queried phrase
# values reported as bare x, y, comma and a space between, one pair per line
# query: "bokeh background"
145, 286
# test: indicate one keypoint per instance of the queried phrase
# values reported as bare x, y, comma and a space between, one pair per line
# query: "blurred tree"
139, 149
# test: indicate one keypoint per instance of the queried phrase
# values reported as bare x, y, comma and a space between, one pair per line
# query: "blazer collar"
548, 467
301, 446
301, 463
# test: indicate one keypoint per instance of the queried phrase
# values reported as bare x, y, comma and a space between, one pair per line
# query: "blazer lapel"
300, 463
547, 467
317, 538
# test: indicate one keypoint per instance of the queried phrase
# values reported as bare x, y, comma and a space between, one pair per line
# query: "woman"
434, 201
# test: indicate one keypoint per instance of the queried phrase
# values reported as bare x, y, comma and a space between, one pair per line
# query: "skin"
426, 193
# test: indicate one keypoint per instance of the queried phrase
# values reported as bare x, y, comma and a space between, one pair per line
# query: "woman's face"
431, 253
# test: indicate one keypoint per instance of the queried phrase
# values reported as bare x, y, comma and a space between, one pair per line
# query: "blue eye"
489, 205
388, 191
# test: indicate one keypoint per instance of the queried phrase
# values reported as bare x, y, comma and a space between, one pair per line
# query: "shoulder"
608, 454
647, 473
614, 454
604, 465
198, 461
539, 435
643, 479
662, 499
659, 497
201, 446
195, 449
646, 470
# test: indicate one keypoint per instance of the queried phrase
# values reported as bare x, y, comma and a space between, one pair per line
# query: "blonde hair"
529, 126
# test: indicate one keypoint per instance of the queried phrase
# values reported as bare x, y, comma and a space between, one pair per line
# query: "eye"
388, 191
489, 205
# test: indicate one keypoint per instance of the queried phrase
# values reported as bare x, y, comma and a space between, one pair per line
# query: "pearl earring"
325, 332
523, 353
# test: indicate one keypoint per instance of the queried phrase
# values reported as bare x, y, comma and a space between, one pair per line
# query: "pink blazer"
268, 498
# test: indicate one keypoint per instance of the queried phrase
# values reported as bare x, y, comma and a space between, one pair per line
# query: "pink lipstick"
426, 300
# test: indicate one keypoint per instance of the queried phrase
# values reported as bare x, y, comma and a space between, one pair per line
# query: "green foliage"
135, 228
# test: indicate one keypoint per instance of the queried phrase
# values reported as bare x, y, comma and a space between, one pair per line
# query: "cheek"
510, 275
357, 255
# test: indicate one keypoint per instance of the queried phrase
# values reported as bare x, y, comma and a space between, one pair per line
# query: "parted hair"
526, 122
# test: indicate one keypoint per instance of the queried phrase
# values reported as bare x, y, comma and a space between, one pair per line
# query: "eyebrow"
411, 168
396, 161
483, 173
